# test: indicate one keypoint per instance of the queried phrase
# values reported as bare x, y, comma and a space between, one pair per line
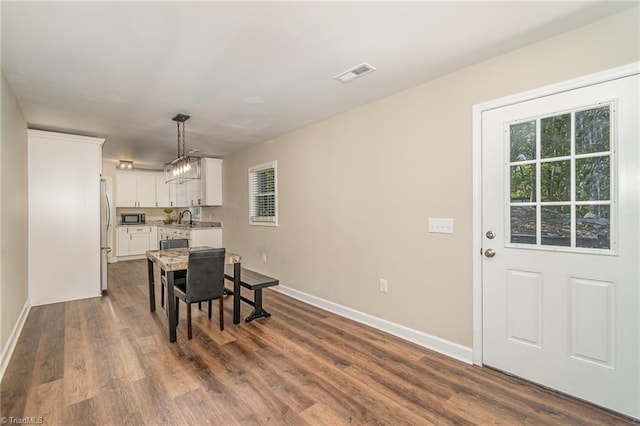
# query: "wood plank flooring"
108, 361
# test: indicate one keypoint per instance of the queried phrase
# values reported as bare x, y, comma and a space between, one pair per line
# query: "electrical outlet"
383, 285
264, 257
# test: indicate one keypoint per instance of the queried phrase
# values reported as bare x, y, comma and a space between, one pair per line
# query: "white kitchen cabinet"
146, 187
153, 238
211, 182
122, 241
163, 198
194, 195
177, 195
136, 240
139, 242
126, 186
211, 237
170, 194
135, 189
206, 191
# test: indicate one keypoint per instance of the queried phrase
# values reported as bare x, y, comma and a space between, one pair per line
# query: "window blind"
262, 194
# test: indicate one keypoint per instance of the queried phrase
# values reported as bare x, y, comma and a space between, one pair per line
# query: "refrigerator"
105, 229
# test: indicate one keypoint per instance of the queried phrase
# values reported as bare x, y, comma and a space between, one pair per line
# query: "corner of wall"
14, 271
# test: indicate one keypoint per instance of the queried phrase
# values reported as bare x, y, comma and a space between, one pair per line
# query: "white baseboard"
125, 258
445, 347
7, 351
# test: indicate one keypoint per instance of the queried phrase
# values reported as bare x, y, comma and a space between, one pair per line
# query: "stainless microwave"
132, 218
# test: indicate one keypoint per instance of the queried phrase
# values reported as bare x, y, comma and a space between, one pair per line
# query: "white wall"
356, 190
13, 216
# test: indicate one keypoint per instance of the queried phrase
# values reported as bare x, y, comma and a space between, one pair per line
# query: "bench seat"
255, 282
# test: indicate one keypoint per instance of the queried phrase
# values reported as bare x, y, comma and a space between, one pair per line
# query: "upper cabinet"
135, 189
147, 189
207, 191
163, 197
211, 182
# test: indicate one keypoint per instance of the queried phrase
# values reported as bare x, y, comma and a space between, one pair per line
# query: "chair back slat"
205, 275
177, 243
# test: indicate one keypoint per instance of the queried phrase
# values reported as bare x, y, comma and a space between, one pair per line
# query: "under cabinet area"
135, 240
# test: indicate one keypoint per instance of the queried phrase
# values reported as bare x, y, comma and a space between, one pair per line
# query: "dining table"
177, 259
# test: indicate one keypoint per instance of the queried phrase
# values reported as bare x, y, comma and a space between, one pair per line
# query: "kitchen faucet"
182, 214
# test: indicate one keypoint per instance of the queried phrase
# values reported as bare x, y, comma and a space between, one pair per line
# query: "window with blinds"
263, 200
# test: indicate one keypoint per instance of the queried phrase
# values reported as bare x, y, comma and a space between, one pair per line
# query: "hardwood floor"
108, 361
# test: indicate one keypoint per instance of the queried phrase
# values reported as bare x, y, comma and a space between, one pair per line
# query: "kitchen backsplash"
207, 214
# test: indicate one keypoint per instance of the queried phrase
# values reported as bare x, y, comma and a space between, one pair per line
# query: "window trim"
255, 169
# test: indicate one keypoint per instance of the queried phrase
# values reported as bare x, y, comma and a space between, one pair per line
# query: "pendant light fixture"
184, 167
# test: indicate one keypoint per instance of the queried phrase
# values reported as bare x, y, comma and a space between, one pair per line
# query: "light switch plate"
441, 225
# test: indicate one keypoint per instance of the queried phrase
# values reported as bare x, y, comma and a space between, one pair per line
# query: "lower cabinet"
211, 237
136, 240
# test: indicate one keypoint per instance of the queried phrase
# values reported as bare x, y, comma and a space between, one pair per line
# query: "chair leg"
221, 313
177, 310
162, 295
200, 305
189, 321
210, 308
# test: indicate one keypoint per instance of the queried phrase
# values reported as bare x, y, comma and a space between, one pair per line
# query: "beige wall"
355, 191
13, 214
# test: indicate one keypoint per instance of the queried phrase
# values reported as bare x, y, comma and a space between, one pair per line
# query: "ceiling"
245, 72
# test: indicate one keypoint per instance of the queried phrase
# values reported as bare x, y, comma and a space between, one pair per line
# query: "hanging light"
184, 167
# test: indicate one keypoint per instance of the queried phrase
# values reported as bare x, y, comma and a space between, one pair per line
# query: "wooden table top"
177, 259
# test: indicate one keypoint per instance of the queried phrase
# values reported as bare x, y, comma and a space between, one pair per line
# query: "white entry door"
561, 225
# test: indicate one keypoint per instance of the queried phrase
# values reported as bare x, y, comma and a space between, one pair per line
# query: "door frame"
478, 109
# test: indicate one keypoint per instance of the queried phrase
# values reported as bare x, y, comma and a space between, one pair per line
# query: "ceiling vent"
355, 72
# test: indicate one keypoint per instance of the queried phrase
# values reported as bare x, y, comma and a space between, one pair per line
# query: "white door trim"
600, 77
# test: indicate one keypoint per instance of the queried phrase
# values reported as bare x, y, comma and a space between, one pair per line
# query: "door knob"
490, 235
489, 252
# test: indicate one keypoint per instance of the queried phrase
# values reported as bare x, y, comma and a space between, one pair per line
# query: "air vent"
355, 72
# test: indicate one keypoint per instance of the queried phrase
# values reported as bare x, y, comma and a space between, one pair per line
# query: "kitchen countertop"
196, 225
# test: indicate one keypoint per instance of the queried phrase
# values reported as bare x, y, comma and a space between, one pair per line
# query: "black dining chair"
178, 275
205, 282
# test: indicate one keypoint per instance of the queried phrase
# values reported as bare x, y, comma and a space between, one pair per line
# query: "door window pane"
560, 180
593, 130
556, 181
555, 136
523, 225
523, 183
593, 226
593, 179
556, 225
523, 141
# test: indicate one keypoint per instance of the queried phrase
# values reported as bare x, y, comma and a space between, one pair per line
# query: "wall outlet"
441, 225
383, 285
264, 257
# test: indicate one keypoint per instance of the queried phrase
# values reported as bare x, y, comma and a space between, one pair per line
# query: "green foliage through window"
575, 153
